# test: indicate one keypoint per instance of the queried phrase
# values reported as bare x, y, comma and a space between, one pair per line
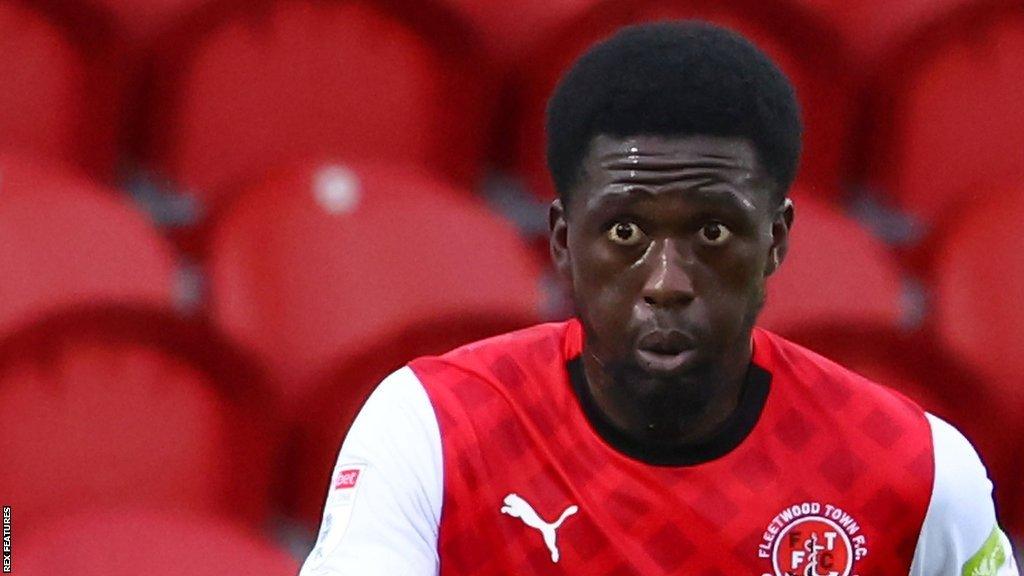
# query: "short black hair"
674, 79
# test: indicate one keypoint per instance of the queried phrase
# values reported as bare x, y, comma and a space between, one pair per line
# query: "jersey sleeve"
960, 535
383, 508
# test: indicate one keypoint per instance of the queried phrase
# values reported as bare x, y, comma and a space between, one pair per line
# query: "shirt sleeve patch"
989, 559
338, 511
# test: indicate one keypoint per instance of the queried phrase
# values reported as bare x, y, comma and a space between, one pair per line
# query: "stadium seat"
509, 35
335, 398
240, 87
979, 286
946, 122
66, 240
872, 29
142, 21
59, 62
129, 542
835, 272
319, 257
806, 50
131, 405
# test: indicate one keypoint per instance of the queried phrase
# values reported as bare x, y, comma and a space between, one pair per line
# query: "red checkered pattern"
510, 423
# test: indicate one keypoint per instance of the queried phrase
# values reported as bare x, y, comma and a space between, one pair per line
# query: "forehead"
687, 166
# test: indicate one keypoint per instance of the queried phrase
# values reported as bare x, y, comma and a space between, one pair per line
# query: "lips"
665, 351
667, 342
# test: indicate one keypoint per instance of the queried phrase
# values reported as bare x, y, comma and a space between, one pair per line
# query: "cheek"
604, 289
729, 283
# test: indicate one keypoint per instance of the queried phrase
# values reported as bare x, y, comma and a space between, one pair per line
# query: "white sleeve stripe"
961, 514
392, 528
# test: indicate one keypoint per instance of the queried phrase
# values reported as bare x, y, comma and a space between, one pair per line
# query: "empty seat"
143, 20
322, 256
240, 87
835, 272
978, 280
131, 405
336, 396
510, 35
947, 124
129, 542
872, 29
979, 286
61, 90
808, 52
65, 240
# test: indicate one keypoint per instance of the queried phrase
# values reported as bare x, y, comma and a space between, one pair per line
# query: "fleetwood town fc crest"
813, 539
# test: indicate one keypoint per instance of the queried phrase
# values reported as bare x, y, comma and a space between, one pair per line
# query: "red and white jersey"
493, 460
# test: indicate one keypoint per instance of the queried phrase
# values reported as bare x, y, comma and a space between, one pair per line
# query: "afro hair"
674, 79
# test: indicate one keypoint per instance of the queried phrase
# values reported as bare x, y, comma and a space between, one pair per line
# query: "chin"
676, 394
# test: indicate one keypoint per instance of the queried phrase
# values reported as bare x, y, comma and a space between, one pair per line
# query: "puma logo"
516, 507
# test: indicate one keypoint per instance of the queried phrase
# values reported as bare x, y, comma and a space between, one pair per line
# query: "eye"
714, 234
625, 234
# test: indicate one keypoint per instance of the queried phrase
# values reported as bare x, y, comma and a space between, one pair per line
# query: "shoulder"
538, 348
817, 376
960, 533
398, 408
962, 492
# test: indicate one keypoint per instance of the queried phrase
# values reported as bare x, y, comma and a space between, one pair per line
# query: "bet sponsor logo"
813, 539
341, 499
346, 481
347, 478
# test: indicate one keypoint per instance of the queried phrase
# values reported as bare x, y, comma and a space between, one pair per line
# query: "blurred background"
223, 221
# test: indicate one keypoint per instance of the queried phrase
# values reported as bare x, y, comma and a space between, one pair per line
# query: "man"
659, 432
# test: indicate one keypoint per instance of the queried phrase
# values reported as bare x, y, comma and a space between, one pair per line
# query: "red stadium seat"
947, 121
873, 29
129, 542
243, 86
805, 50
510, 34
114, 405
60, 101
142, 20
336, 397
68, 241
978, 281
979, 287
835, 272
320, 257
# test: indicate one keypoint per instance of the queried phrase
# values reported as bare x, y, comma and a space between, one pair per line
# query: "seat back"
242, 86
129, 542
132, 405
68, 241
321, 256
947, 125
979, 286
834, 271
62, 86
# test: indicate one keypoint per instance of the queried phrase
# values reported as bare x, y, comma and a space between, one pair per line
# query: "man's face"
667, 243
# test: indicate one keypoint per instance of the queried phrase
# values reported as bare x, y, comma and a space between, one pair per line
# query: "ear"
559, 239
782, 223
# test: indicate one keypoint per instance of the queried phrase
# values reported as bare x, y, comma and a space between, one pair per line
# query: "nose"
667, 284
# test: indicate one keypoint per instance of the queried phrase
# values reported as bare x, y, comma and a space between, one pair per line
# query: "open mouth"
665, 351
